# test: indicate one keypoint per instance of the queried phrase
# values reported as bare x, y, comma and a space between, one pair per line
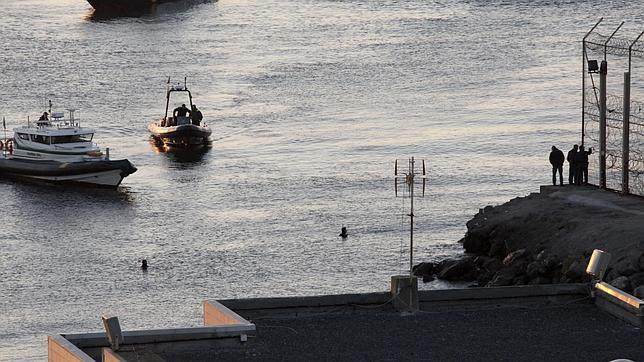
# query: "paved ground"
573, 332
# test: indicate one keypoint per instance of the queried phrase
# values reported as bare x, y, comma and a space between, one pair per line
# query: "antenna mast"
410, 179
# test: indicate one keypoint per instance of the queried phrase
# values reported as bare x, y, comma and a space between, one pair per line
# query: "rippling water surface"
310, 103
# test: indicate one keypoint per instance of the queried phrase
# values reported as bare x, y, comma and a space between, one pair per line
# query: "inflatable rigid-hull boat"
182, 135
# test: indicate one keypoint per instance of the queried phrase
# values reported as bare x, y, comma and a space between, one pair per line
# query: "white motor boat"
58, 149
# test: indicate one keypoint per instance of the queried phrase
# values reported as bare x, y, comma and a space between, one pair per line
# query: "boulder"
621, 283
443, 264
517, 262
502, 278
574, 270
535, 269
487, 263
610, 274
514, 256
556, 275
639, 292
552, 264
428, 278
520, 279
548, 260
461, 270
484, 278
498, 249
636, 280
476, 242
423, 269
626, 265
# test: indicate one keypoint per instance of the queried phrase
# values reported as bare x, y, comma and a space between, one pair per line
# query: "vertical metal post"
583, 81
609, 38
603, 70
626, 132
583, 90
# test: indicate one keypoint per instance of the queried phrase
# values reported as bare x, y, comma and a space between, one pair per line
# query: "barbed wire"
614, 132
615, 46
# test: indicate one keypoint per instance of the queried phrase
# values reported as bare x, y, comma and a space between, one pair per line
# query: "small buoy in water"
344, 233
144, 264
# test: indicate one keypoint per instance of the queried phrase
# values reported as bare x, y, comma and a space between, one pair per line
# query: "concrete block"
113, 331
404, 293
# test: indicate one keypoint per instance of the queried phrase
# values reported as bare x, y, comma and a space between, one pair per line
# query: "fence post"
603, 70
626, 132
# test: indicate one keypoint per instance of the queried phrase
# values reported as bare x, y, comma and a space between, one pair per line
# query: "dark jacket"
582, 156
556, 158
180, 112
571, 156
196, 115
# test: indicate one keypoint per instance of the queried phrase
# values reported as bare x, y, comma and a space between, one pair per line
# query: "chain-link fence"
621, 50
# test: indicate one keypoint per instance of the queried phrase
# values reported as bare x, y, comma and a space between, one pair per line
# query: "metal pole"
626, 131
583, 81
609, 38
583, 90
4, 125
603, 70
630, 50
593, 28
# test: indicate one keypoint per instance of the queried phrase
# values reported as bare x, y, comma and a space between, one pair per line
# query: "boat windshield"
72, 138
40, 138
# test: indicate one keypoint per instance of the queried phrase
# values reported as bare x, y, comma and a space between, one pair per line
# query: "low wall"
216, 314
61, 350
111, 356
620, 304
428, 299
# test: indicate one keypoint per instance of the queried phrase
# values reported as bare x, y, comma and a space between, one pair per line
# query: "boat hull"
103, 173
140, 7
183, 135
124, 6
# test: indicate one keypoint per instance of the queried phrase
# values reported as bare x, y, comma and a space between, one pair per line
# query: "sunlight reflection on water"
310, 104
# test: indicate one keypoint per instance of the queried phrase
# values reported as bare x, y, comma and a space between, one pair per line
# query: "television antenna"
409, 179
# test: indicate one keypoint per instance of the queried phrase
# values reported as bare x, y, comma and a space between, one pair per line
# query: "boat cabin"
55, 136
57, 130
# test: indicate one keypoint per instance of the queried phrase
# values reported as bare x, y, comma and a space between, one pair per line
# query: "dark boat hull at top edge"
132, 6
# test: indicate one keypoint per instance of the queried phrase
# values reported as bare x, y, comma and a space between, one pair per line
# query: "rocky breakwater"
547, 238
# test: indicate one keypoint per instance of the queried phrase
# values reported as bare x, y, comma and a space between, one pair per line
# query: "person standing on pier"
557, 161
581, 162
572, 170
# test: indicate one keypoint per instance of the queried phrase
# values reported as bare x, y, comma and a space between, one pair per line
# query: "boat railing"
58, 123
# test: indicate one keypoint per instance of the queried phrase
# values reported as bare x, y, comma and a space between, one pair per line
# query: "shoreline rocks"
547, 238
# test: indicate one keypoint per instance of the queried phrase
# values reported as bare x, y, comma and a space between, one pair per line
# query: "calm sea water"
310, 102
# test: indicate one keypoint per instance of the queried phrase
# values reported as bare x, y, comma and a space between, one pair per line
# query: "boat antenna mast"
4, 125
50, 107
167, 98
409, 180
